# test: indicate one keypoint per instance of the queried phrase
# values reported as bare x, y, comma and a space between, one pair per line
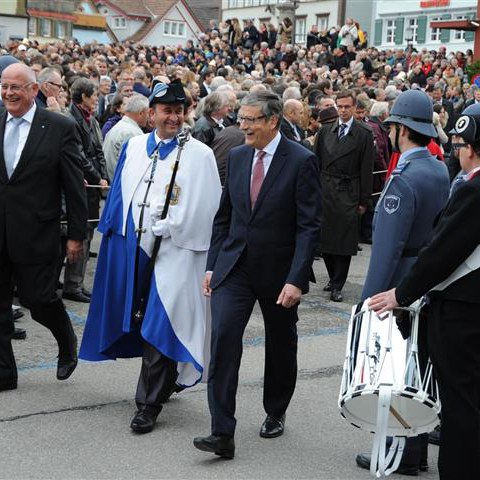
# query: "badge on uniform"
175, 194
391, 203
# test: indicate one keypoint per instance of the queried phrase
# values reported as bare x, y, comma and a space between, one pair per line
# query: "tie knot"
16, 121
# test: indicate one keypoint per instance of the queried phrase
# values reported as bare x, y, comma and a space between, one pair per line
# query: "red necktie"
257, 177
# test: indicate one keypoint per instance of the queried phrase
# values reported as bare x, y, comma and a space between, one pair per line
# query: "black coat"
346, 175
456, 235
282, 230
31, 200
93, 161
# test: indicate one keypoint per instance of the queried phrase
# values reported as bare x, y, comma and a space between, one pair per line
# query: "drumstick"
399, 418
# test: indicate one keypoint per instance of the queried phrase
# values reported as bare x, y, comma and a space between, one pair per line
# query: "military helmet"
414, 109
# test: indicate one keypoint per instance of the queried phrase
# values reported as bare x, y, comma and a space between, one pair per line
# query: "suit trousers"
157, 379
337, 268
232, 303
454, 346
36, 289
75, 272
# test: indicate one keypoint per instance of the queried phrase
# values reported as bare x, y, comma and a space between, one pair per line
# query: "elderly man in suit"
346, 152
262, 247
39, 158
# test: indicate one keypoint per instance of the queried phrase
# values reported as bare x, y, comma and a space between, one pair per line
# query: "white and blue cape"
175, 321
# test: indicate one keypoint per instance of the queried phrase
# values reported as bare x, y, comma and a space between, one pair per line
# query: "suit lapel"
278, 161
246, 180
338, 148
37, 131
3, 168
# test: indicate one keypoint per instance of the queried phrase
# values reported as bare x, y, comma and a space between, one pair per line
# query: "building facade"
50, 20
323, 13
13, 20
398, 24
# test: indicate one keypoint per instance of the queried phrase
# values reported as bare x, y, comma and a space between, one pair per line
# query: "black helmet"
414, 109
468, 127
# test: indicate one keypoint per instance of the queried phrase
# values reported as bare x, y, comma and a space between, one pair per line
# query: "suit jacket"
31, 200
281, 232
289, 131
346, 172
205, 130
456, 235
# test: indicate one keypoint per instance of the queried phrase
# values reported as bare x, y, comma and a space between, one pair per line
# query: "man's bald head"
19, 89
293, 111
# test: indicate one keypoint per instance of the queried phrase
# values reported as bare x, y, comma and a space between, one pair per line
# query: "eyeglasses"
15, 88
250, 120
58, 85
458, 146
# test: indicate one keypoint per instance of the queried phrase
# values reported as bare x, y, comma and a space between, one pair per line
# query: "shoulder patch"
391, 203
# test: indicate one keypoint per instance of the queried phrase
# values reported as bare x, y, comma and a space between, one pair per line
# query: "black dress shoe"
86, 292
76, 297
8, 384
19, 334
220, 445
434, 437
272, 427
17, 314
92, 254
144, 420
363, 461
327, 287
67, 362
336, 296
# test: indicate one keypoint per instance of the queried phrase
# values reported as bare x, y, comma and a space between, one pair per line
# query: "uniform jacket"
456, 235
31, 200
346, 168
281, 232
404, 219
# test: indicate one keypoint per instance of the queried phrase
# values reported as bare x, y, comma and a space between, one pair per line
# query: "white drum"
383, 390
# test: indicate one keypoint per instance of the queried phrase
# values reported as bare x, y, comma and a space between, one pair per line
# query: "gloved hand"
160, 228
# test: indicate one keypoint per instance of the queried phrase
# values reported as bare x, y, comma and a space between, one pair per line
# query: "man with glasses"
50, 86
262, 248
38, 160
346, 153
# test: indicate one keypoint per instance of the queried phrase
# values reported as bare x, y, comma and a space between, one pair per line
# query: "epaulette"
399, 169
365, 126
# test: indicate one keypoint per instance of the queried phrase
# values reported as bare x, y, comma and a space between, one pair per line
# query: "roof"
205, 10
129, 8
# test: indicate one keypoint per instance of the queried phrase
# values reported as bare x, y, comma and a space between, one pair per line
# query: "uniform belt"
410, 252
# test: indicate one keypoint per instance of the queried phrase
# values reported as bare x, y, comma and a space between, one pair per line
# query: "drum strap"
380, 460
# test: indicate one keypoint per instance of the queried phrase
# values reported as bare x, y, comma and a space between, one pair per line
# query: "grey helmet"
414, 109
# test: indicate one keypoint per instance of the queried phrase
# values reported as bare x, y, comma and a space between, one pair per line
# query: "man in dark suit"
293, 114
448, 269
346, 152
39, 159
262, 247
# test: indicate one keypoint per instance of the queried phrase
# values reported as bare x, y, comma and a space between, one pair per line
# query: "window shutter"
445, 34
378, 32
422, 29
469, 36
399, 23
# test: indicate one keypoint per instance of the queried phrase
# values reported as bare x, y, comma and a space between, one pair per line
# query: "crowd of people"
324, 120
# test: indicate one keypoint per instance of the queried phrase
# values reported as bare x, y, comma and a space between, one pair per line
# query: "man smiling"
262, 248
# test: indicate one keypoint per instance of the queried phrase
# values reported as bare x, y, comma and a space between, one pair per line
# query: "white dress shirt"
348, 124
23, 133
269, 150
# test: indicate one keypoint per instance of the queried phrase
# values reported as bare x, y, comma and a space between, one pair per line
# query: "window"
459, 34
174, 29
32, 26
61, 30
45, 27
119, 22
435, 32
300, 30
322, 22
235, 3
411, 30
389, 32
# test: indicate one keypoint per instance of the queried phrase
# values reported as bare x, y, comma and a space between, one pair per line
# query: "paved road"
78, 429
